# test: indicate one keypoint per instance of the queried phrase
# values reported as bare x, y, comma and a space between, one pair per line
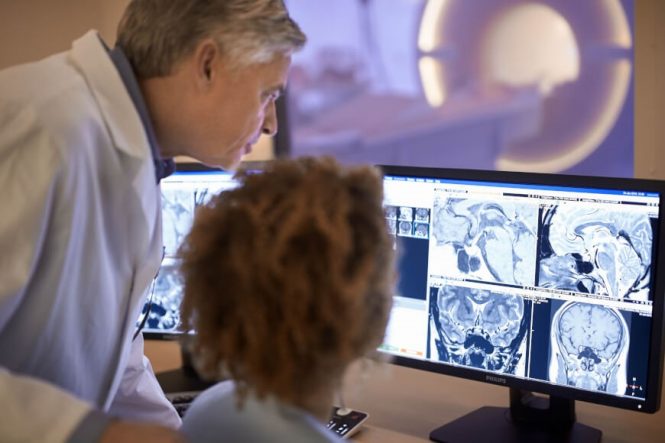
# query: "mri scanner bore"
535, 85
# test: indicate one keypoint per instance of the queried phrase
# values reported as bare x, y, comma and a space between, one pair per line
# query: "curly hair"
289, 277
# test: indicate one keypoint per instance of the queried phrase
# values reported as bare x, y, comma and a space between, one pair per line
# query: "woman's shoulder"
216, 416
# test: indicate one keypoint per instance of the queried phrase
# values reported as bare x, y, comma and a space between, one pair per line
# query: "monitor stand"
529, 419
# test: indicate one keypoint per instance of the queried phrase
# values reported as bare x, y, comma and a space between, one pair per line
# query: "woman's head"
288, 278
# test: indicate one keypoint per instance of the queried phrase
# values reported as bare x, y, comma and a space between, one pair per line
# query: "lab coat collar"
163, 166
121, 118
117, 108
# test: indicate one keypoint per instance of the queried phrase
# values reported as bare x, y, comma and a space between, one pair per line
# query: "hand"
130, 432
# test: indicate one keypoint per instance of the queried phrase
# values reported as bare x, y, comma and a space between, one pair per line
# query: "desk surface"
406, 404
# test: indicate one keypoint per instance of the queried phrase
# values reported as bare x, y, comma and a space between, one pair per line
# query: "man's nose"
269, 127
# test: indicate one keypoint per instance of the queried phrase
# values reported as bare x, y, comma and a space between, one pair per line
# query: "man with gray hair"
85, 137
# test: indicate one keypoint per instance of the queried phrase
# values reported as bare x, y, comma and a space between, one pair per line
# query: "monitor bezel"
651, 403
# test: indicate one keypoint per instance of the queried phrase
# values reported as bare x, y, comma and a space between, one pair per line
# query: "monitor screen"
190, 186
538, 282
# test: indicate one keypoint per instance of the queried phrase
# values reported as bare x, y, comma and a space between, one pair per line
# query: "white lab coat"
80, 242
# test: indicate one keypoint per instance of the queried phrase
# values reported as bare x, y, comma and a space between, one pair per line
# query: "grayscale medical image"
177, 215
392, 225
589, 348
479, 328
422, 215
421, 230
484, 240
405, 213
411, 222
589, 250
405, 228
166, 297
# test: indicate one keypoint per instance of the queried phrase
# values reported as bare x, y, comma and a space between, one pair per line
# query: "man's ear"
206, 58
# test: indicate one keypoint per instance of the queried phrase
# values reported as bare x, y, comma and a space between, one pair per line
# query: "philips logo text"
494, 379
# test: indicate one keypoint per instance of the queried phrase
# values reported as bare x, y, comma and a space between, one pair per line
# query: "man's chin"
227, 163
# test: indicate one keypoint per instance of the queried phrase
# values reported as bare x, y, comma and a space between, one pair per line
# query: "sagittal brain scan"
589, 348
485, 240
590, 250
479, 328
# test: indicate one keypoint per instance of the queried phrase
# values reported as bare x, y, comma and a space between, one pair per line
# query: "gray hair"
157, 34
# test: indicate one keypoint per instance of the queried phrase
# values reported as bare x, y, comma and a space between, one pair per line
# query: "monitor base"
495, 424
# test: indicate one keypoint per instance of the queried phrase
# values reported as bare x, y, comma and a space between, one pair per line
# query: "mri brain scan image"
405, 228
422, 215
392, 225
406, 213
585, 249
177, 216
421, 230
485, 240
167, 295
589, 348
479, 328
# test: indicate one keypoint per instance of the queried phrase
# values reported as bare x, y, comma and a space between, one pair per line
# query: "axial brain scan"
594, 251
480, 328
589, 348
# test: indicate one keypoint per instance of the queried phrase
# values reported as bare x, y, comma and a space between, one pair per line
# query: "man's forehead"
276, 71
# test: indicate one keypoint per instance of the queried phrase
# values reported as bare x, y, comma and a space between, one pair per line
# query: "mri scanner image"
178, 206
547, 283
530, 85
479, 328
587, 249
485, 240
408, 221
164, 314
589, 348
177, 215
181, 194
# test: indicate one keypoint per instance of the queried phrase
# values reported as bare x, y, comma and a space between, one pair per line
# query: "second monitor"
543, 283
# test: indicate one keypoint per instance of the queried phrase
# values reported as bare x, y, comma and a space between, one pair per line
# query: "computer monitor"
541, 283
192, 185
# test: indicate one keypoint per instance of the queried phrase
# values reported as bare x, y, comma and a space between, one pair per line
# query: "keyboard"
182, 400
